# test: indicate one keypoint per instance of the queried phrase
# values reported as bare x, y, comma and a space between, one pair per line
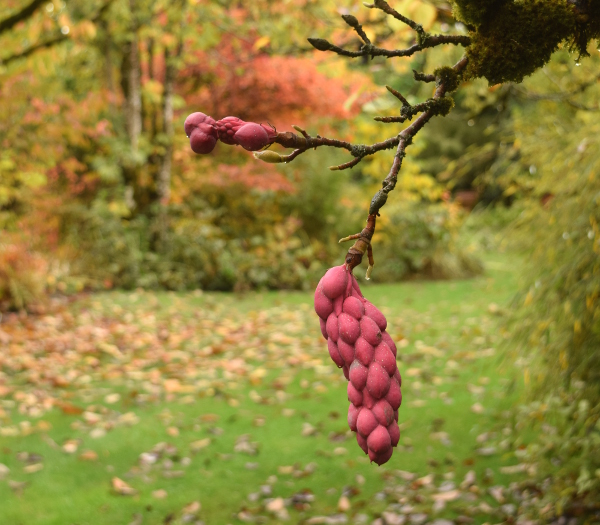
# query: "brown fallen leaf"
344, 504
122, 488
88, 455
450, 495
35, 467
196, 446
193, 508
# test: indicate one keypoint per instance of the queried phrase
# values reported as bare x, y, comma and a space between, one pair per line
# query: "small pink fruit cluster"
203, 132
360, 346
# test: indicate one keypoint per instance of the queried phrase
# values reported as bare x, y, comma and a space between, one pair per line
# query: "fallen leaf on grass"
308, 429
31, 469
245, 446
193, 508
486, 451
497, 493
344, 504
196, 446
159, 494
469, 480
88, 455
514, 469
477, 408
70, 446
122, 488
450, 495
391, 518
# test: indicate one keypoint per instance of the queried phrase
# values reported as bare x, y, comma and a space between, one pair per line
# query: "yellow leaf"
263, 41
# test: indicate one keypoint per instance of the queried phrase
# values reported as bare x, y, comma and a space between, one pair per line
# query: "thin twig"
353, 23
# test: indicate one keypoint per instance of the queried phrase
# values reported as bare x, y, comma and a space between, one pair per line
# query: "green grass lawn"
232, 401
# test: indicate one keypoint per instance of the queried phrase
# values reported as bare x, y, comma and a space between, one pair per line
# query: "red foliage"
236, 80
256, 175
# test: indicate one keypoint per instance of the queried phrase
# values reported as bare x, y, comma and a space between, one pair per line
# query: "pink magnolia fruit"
358, 375
227, 127
346, 352
252, 137
201, 142
349, 328
201, 132
366, 422
354, 307
334, 353
364, 351
358, 343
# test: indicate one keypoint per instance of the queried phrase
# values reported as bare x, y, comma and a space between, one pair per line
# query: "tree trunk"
164, 173
134, 92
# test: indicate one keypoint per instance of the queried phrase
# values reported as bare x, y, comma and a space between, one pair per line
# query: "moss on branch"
510, 39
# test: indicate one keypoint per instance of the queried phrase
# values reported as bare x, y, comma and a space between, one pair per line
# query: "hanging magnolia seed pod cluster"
360, 346
204, 131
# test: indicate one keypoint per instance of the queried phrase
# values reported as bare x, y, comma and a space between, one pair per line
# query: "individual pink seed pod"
201, 142
383, 356
196, 120
379, 439
354, 307
366, 422
383, 412
364, 351
335, 281
323, 305
362, 443
332, 327
382, 458
370, 331
374, 313
378, 381
386, 338
252, 137
227, 127
353, 413
355, 396
394, 395
358, 375
323, 328
394, 432
347, 376
398, 377
349, 328
346, 351
334, 353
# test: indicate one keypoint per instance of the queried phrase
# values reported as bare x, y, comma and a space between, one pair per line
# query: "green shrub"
193, 253
555, 323
421, 240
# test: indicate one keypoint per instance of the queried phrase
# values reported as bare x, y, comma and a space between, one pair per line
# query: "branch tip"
320, 43
398, 95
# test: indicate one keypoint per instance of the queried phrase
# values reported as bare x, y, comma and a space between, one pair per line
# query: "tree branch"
369, 50
32, 49
405, 139
20, 16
